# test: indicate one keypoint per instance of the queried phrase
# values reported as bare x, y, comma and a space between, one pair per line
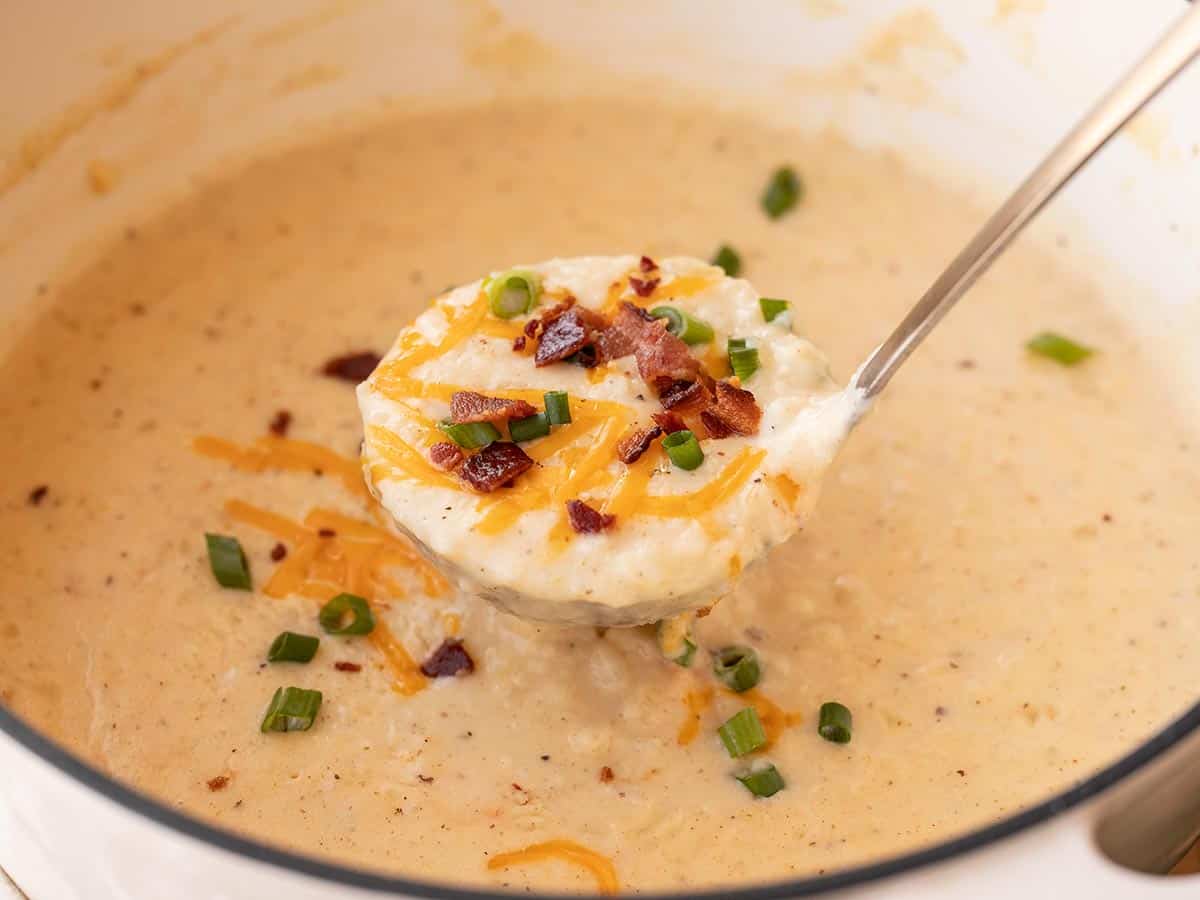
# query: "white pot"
980, 89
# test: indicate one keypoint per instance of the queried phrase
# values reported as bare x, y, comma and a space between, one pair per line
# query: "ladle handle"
1174, 50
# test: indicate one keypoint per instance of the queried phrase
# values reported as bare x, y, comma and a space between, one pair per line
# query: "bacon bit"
279, 425
567, 334
425, 779
669, 422
683, 397
630, 326
586, 520
495, 465
713, 426
663, 358
643, 287
631, 447
38, 494
278, 552
606, 773
343, 666
646, 264
735, 408
468, 406
446, 456
326, 532
518, 343
353, 367
531, 328
218, 784
451, 658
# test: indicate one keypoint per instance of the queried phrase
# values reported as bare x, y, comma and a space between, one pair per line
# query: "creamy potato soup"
1000, 550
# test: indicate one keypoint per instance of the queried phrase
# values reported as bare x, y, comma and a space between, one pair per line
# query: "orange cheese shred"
271, 452
600, 866
697, 703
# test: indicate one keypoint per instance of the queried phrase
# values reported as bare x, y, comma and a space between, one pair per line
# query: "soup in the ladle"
995, 565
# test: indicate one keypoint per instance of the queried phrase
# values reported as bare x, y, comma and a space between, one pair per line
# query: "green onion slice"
743, 733
558, 407
1058, 348
727, 258
686, 655
782, 192
535, 426
292, 647
686, 327
736, 667
833, 723
227, 560
743, 359
674, 640
513, 293
292, 709
470, 435
333, 615
683, 449
772, 308
763, 782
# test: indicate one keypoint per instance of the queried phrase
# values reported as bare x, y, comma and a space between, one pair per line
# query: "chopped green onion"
535, 426
782, 192
833, 723
675, 641
686, 655
292, 647
683, 449
688, 328
292, 709
772, 308
558, 407
763, 782
736, 667
743, 733
513, 293
227, 560
727, 258
743, 359
1058, 348
333, 614
470, 435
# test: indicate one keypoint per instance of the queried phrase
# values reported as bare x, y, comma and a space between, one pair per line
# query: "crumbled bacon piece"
669, 422
38, 494
218, 784
736, 409
631, 447
468, 406
353, 367
279, 425
586, 520
569, 333
278, 552
518, 343
662, 358
630, 326
326, 532
713, 426
646, 264
683, 397
344, 666
446, 456
451, 658
643, 287
606, 772
531, 328
495, 465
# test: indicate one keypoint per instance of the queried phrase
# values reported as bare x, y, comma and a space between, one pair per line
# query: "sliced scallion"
781, 192
292, 647
1058, 348
558, 407
227, 560
292, 709
763, 782
513, 293
743, 733
333, 615
535, 426
727, 258
833, 723
470, 435
743, 359
736, 667
772, 308
686, 327
683, 449
675, 640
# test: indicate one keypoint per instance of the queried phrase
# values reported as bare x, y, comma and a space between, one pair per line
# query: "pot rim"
855, 876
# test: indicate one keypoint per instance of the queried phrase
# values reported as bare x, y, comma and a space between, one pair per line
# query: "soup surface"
999, 580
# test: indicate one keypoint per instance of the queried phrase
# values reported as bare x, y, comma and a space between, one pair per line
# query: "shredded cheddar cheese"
600, 866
